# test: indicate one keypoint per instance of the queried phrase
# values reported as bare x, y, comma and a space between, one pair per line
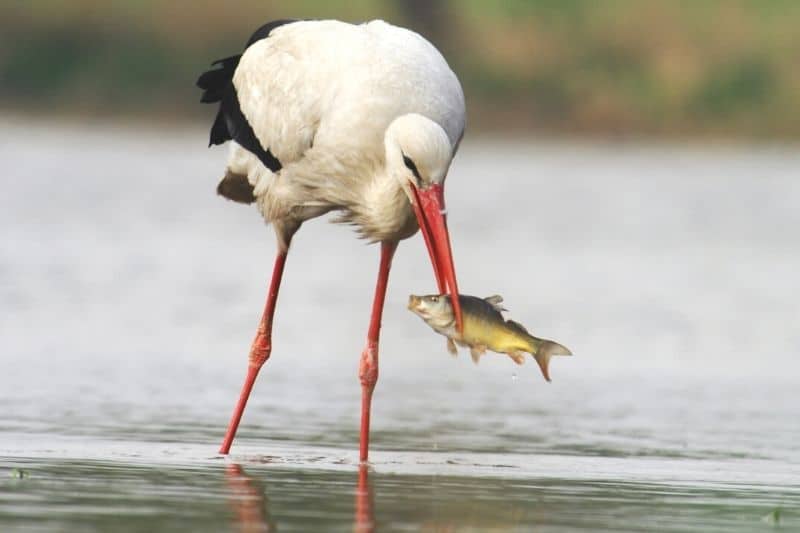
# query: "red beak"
432, 219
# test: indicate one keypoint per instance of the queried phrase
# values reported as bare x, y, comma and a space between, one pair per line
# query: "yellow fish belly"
494, 336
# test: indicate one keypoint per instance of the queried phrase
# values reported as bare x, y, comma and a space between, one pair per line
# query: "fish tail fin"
543, 350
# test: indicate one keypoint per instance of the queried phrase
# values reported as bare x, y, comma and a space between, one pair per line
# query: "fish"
484, 328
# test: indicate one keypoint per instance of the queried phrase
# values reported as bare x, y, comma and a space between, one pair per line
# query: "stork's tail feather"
217, 86
544, 351
214, 82
236, 187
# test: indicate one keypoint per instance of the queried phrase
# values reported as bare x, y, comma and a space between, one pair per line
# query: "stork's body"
328, 116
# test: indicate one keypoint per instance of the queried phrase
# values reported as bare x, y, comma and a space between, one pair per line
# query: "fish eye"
434, 299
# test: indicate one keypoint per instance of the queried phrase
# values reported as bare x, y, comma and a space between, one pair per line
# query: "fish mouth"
416, 306
429, 208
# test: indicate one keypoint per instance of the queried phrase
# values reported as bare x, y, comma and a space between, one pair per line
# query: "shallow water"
129, 294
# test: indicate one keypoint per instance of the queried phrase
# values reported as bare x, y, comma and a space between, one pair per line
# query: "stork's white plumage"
328, 116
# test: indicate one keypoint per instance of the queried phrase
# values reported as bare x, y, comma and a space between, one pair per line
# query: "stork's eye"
412, 167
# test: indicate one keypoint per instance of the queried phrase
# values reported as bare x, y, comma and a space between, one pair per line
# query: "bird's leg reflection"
365, 514
249, 501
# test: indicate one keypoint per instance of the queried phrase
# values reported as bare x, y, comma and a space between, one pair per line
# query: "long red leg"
368, 369
260, 350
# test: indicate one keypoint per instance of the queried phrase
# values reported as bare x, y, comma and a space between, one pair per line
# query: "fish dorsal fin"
517, 325
495, 301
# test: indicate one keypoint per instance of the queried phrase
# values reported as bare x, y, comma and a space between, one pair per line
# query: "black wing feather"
230, 123
219, 130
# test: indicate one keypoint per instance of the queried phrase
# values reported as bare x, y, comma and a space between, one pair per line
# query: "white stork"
328, 116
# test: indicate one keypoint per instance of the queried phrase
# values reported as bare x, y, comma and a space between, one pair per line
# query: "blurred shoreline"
705, 70
143, 125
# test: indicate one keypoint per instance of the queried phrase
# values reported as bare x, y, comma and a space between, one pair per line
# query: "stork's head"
418, 154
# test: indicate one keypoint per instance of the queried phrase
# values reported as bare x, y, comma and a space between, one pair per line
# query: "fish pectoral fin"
451, 347
517, 357
476, 352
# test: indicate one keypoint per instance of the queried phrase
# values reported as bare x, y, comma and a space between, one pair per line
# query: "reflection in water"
249, 501
79, 495
364, 521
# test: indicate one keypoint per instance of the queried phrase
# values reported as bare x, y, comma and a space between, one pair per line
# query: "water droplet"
513, 376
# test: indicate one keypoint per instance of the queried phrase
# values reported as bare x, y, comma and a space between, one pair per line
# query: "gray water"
129, 294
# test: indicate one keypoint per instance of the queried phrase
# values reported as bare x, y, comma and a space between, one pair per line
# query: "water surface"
129, 294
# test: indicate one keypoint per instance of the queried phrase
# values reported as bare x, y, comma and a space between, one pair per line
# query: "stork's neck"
384, 212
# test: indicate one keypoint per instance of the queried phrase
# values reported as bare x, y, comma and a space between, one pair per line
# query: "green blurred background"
700, 69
